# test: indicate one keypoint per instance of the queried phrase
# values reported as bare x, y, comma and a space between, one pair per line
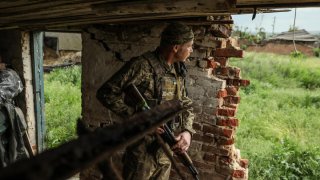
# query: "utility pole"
274, 24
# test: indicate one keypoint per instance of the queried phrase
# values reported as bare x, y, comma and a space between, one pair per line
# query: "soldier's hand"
183, 142
160, 130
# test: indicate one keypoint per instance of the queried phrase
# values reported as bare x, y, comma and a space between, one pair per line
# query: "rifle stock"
135, 96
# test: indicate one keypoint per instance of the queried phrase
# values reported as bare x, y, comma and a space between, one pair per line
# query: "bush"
62, 104
66, 75
316, 52
297, 54
243, 46
288, 161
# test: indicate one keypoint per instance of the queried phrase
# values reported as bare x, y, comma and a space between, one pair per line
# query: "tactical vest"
171, 85
167, 85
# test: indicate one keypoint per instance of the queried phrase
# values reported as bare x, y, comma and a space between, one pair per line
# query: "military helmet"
176, 33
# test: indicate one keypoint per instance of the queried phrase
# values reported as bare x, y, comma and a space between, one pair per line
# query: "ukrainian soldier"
159, 76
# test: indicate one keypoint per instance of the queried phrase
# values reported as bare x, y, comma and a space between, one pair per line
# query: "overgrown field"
279, 112
280, 116
62, 91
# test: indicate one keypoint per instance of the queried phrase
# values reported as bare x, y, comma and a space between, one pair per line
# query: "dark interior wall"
11, 53
15, 51
105, 50
10, 48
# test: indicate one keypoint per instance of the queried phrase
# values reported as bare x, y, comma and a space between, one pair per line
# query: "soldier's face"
184, 51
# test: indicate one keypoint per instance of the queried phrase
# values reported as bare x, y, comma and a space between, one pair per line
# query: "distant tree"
261, 34
243, 33
291, 28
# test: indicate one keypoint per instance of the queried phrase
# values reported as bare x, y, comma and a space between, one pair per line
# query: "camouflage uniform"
145, 159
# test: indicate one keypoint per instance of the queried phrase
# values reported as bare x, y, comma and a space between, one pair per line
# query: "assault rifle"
135, 96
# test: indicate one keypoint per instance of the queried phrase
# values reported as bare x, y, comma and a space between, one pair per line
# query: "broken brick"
237, 82
222, 93
232, 99
244, 163
226, 52
222, 61
232, 90
220, 30
225, 141
217, 150
222, 71
212, 64
221, 131
226, 112
224, 161
231, 122
244, 82
238, 173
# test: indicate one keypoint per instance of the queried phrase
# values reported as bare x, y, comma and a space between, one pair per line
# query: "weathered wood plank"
43, 13
77, 11
47, 5
277, 3
56, 13
75, 21
14, 3
163, 6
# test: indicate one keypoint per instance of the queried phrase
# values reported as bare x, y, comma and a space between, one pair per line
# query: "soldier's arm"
110, 94
184, 138
188, 116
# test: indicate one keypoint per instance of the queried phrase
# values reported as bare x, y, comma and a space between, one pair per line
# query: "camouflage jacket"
140, 72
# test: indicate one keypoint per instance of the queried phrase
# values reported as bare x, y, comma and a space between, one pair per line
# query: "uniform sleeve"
188, 116
111, 95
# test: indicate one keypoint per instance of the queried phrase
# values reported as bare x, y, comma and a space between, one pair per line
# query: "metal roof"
299, 35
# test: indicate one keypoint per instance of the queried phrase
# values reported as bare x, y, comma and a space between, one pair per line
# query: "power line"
294, 29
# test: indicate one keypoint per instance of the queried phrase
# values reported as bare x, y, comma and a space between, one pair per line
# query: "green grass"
62, 104
279, 115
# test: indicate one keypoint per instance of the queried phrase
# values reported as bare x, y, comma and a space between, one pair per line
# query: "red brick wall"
213, 86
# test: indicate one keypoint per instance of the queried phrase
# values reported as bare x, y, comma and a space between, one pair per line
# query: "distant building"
62, 48
63, 41
300, 36
283, 43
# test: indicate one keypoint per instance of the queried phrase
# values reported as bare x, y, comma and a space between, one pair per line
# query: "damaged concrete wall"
105, 50
15, 50
212, 84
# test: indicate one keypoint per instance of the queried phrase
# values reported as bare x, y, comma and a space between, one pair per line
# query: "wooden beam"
267, 4
161, 6
47, 6
76, 21
42, 13
17, 5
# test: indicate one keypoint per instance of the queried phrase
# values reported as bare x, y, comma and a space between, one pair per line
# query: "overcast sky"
307, 18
